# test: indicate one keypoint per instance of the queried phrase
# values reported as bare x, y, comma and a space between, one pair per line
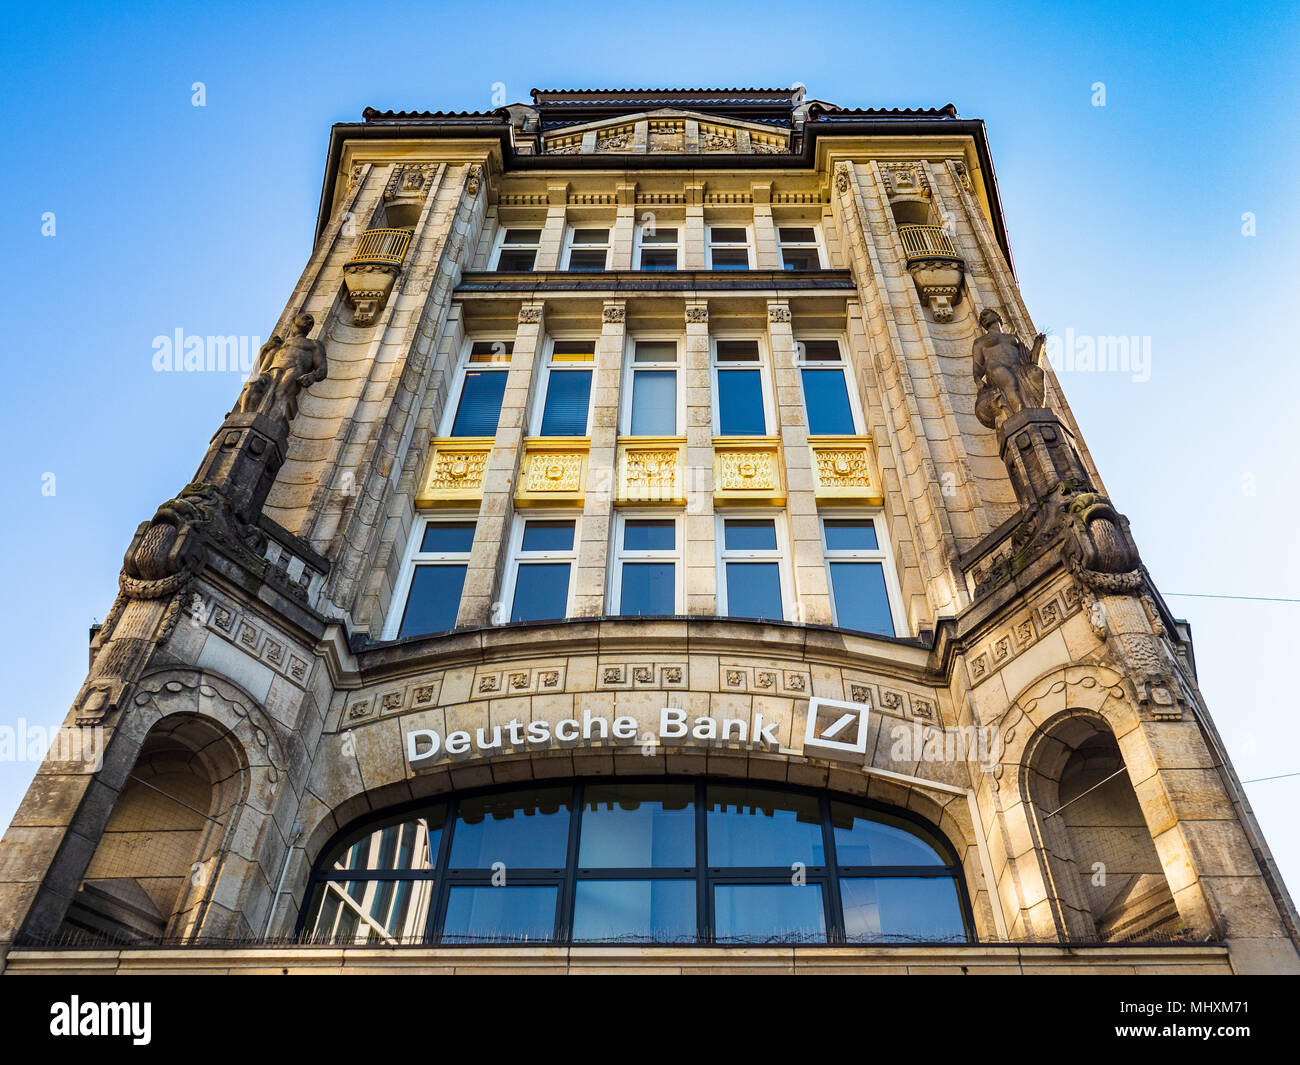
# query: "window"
543, 557
799, 248
739, 392
645, 566
860, 575
638, 861
650, 396
659, 248
480, 388
826, 388
564, 398
751, 583
518, 249
728, 248
589, 249
433, 578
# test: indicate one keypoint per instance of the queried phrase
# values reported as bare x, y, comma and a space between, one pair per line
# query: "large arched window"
639, 862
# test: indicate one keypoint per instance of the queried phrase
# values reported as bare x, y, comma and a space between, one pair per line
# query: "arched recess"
179, 857
1091, 872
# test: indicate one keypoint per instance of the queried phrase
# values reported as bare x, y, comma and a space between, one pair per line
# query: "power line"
1251, 598
1280, 776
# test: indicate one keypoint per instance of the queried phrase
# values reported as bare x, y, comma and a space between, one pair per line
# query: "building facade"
645, 543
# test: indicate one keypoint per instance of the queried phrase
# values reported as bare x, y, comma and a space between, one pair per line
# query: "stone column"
812, 594
552, 242
695, 256
623, 237
766, 254
701, 566
492, 536
593, 545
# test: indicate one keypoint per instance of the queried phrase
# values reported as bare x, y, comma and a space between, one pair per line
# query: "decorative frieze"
791, 681
651, 469
250, 634
626, 676
518, 680
844, 470
454, 471
553, 470
1024, 631
905, 179
748, 469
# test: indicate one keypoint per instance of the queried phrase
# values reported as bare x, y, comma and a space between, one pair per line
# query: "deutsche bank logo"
840, 729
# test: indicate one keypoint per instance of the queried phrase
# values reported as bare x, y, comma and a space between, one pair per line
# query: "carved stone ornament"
1099, 549
615, 314
530, 315
405, 193
906, 180
475, 179
778, 313
697, 315
842, 181
1006, 372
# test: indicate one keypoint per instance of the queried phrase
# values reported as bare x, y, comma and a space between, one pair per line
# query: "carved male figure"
1006, 372
284, 369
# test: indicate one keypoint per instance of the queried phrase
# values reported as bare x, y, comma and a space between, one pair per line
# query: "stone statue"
1007, 373
284, 369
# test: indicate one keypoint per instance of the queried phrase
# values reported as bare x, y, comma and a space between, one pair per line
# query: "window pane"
522, 236
372, 911
525, 830
737, 350
861, 839
730, 259
659, 259
754, 590
568, 394
650, 535
800, 259
763, 913
821, 350
480, 403
727, 235
740, 534
574, 347
826, 396
516, 260
448, 537
405, 843
861, 601
659, 236
491, 350
548, 536
797, 235
500, 914
541, 592
740, 403
655, 351
580, 259
638, 826
755, 826
648, 588
434, 600
590, 236
654, 403
634, 911
911, 908
844, 534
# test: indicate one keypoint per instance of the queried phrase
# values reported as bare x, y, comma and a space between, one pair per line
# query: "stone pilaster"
701, 566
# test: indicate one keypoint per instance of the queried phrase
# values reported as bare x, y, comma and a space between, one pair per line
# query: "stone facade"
1036, 704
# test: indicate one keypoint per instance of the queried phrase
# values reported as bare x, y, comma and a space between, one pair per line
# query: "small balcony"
371, 272
936, 268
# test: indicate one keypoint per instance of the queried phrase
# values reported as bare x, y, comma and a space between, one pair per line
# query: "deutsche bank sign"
834, 730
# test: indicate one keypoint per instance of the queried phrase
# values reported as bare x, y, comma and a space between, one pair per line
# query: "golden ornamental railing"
382, 246
923, 241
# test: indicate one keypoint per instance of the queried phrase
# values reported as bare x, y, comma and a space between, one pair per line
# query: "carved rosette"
553, 470
842, 470
748, 470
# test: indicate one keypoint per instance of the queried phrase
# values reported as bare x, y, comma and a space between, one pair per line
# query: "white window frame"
517, 556
709, 242
570, 231
415, 557
458, 379
845, 364
639, 244
620, 555
630, 367
818, 244
764, 377
499, 244
883, 554
544, 379
781, 556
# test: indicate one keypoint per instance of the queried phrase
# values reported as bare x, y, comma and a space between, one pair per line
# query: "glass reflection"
757, 827
525, 830
769, 913
638, 826
512, 913
634, 911
908, 909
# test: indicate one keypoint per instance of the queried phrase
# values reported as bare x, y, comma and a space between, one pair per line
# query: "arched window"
639, 862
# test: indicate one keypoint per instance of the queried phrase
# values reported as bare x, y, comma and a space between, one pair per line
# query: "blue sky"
1125, 220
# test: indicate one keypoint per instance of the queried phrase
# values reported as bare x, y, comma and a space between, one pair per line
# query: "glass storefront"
666, 861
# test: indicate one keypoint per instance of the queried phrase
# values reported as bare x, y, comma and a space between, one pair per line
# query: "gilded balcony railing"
382, 246
925, 242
